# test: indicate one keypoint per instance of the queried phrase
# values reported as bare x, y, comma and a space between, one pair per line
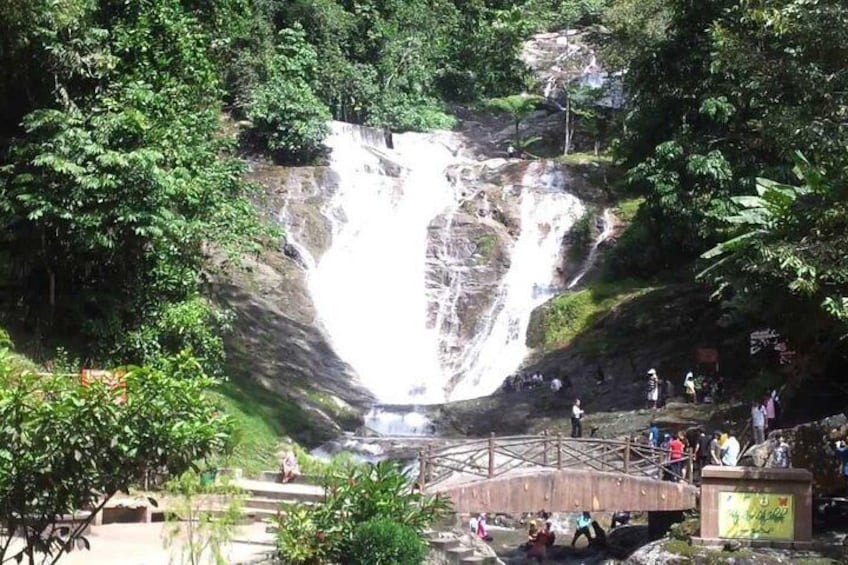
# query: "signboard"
751, 515
706, 355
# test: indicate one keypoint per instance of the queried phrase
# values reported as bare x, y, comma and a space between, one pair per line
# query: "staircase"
265, 497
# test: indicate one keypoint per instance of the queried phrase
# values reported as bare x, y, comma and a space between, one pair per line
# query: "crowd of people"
705, 389
530, 381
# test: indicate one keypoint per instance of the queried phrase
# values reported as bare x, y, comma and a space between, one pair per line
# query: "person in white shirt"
576, 417
556, 384
758, 422
730, 452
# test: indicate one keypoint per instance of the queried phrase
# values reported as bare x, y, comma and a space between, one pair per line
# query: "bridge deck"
523, 473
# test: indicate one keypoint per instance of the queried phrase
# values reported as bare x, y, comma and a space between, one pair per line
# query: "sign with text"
751, 515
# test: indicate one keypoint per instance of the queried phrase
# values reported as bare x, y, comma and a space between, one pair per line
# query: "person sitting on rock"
289, 469
619, 519
549, 532
780, 457
584, 521
537, 543
600, 539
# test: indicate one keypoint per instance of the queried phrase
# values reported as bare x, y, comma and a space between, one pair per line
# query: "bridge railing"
492, 457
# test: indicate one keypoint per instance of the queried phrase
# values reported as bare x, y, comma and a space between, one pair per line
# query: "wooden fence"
493, 457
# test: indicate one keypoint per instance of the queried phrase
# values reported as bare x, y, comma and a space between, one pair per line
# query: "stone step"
443, 544
473, 560
457, 554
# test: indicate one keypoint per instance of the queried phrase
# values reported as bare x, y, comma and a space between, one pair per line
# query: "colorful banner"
756, 515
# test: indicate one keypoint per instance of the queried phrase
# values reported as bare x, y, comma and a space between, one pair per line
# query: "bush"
385, 542
360, 494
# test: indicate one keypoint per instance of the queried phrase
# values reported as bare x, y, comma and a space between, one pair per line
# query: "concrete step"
276, 491
274, 477
274, 503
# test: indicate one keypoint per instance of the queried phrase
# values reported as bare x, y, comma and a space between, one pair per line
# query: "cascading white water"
547, 213
607, 230
370, 286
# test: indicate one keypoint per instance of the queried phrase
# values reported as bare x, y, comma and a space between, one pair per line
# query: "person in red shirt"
676, 448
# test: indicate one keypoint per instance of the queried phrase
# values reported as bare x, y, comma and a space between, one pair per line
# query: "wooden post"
545, 448
691, 468
626, 455
422, 468
492, 455
559, 450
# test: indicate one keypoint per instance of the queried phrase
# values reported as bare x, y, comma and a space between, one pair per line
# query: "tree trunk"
517, 139
567, 145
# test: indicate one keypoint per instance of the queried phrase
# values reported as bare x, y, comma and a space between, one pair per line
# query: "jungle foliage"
737, 136
119, 169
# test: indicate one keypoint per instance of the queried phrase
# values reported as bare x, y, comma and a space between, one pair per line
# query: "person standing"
842, 454
770, 413
653, 388
758, 422
584, 521
730, 451
482, 529
676, 448
689, 388
653, 435
576, 419
703, 450
715, 449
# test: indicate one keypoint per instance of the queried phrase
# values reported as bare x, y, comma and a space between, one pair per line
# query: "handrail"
492, 457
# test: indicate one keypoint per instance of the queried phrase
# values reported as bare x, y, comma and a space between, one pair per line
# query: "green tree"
788, 242
68, 445
519, 107
288, 119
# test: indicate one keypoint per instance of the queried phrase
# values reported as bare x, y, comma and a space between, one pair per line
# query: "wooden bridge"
528, 473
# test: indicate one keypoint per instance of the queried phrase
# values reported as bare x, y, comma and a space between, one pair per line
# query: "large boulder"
811, 447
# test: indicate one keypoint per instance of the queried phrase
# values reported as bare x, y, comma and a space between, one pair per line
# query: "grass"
569, 314
585, 158
486, 246
697, 554
261, 423
627, 207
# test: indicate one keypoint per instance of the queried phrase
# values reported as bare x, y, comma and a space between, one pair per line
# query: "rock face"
811, 447
276, 344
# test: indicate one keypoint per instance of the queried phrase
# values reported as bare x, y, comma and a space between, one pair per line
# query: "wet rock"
812, 447
624, 540
467, 258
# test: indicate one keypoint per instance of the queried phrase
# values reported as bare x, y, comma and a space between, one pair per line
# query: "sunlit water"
370, 288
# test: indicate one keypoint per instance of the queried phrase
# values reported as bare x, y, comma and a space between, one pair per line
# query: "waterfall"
547, 213
394, 215
607, 229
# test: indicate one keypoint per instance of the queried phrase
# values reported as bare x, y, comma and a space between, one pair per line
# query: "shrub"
358, 495
382, 541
